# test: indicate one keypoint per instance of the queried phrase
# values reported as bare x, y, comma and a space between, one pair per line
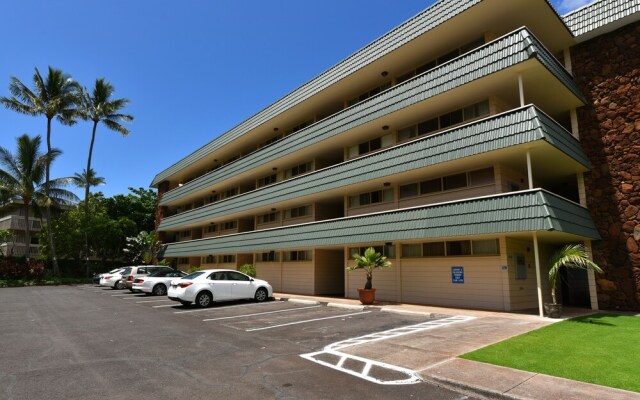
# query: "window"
377, 196
369, 93
211, 199
409, 190
267, 180
444, 121
299, 127
304, 255
459, 248
229, 225
297, 170
481, 177
431, 186
268, 218
297, 212
185, 234
488, 247
212, 228
182, 260
231, 192
227, 258
411, 250
371, 145
433, 249
268, 257
209, 259
388, 250
456, 181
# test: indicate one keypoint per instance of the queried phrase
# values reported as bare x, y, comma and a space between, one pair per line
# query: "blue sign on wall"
457, 274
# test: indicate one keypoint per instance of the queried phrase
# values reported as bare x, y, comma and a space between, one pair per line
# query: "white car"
114, 280
157, 282
209, 285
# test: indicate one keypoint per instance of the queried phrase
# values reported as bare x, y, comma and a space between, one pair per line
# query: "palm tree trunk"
87, 184
47, 208
27, 232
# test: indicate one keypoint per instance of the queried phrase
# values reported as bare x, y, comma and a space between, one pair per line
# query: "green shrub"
193, 269
248, 269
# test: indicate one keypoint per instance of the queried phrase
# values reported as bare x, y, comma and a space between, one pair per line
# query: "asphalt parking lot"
86, 342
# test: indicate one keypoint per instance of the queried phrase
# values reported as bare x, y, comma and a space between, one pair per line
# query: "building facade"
453, 145
12, 219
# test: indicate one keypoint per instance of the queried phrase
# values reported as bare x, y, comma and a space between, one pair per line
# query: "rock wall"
607, 70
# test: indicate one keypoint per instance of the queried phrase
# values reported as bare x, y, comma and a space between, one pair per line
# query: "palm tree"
370, 261
98, 106
57, 96
83, 179
569, 256
22, 178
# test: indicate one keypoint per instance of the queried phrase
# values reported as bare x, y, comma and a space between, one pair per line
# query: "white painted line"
133, 297
226, 308
266, 312
151, 301
304, 322
412, 377
395, 310
346, 306
165, 305
303, 301
120, 295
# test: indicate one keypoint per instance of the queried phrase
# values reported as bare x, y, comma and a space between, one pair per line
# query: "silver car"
156, 283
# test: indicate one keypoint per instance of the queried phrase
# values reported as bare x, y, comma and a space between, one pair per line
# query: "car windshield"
194, 275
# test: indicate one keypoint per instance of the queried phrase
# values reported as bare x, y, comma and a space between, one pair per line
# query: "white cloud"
565, 6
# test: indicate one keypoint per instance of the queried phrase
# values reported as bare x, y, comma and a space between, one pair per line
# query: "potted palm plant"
369, 262
569, 256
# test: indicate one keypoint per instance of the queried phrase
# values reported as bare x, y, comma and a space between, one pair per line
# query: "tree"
84, 179
22, 178
569, 256
139, 206
4, 238
144, 247
99, 107
57, 96
369, 261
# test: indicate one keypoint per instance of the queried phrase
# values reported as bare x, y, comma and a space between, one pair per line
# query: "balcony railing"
16, 222
18, 249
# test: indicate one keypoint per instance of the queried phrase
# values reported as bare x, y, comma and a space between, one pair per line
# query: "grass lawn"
603, 349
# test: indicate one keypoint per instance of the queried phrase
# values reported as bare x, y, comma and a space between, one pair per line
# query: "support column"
582, 191
575, 131
591, 276
521, 90
536, 254
567, 60
529, 170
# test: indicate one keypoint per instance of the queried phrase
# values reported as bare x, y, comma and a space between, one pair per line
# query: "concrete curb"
301, 301
395, 310
346, 306
464, 388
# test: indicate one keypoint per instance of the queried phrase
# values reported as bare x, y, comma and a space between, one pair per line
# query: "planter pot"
367, 296
552, 310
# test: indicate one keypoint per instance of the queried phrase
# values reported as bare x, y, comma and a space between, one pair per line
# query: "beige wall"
270, 272
295, 221
504, 175
524, 292
329, 273
385, 281
449, 195
298, 277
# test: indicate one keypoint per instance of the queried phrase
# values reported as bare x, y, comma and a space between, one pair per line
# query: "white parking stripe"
165, 305
133, 297
120, 295
304, 322
151, 301
266, 312
225, 308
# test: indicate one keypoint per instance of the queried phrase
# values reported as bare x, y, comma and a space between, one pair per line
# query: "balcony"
492, 68
16, 223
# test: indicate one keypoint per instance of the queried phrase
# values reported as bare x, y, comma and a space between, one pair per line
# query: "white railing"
18, 249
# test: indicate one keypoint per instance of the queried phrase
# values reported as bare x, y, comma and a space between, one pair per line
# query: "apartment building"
452, 145
12, 219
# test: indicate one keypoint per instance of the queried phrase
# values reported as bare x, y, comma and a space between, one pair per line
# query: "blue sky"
192, 69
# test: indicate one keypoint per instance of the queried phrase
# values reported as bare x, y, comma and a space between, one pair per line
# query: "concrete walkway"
433, 354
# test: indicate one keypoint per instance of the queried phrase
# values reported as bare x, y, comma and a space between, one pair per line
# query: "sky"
192, 69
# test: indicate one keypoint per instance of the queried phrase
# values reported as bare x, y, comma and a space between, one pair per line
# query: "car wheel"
261, 295
119, 285
203, 299
159, 290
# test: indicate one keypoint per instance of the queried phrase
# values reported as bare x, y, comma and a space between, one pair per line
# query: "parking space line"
304, 322
120, 295
133, 297
225, 308
262, 313
151, 301
166, 305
